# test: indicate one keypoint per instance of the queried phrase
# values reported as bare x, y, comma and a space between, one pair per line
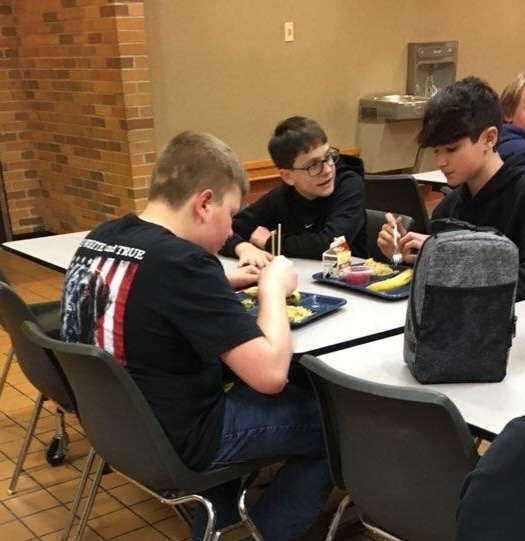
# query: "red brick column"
82, 120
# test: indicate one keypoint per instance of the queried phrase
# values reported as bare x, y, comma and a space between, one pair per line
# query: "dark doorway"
5, 222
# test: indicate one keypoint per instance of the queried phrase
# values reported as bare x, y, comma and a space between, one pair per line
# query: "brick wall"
77, 142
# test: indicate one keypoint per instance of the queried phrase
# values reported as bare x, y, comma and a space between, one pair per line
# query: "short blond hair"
511, 96
193, 162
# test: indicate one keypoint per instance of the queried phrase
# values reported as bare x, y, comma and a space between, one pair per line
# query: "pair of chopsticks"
278, 241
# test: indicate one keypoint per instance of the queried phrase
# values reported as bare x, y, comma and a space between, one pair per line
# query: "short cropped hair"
511, 96
293, 136
192, 162
463, 109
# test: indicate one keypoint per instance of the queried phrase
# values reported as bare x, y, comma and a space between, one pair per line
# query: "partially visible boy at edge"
321, 196
150, 290
462, 123
512, 136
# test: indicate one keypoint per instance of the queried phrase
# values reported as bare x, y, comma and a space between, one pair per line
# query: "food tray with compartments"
319, 305
397, 294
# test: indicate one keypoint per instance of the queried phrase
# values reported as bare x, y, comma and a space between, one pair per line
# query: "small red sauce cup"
358, 275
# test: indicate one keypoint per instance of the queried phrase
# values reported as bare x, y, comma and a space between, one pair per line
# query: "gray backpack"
460, 317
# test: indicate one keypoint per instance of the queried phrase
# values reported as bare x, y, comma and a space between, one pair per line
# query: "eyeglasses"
315, 168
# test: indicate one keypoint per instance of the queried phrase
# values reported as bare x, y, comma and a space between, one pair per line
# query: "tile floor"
38, 509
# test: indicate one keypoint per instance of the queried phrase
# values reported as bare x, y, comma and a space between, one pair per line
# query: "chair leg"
90, 499
25, 445
185, 514
210, 533
58, 447
334, 523
7, 366
78, 496
243, 511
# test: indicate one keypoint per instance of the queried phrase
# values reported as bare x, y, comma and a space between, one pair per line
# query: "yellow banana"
400, 280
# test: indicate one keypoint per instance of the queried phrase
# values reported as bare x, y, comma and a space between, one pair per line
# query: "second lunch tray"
397, 294
320, 305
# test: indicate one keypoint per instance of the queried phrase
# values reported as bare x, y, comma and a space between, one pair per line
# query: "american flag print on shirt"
94, 302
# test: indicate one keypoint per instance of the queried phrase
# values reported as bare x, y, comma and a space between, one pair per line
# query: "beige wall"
222, 66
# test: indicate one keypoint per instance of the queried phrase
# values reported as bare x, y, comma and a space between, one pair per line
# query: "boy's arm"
263, 362
244, 223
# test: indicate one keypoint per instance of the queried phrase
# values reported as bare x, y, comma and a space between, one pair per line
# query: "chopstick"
278, 233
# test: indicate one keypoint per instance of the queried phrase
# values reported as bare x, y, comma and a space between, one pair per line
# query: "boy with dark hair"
512, 137
462, 123
150, 290
321, 197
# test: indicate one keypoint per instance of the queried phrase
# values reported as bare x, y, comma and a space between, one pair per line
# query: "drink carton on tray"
336, 258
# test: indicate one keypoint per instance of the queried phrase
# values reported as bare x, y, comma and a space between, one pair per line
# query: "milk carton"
336, 258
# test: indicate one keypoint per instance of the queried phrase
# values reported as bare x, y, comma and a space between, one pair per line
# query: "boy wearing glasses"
321, 197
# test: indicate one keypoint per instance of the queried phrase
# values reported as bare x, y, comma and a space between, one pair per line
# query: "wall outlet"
288, 31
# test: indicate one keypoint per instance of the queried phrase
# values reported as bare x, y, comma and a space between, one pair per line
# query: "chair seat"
48, 315
126, 434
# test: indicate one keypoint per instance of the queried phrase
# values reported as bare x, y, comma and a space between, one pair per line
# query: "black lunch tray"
397, 294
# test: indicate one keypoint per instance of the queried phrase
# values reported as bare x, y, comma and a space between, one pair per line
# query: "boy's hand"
243, 277
259, 236
280, 273
408, 243
385, 239
249, 254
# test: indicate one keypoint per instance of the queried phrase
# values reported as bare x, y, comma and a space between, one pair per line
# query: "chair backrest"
400, 194
120, 424
40, 367
402, 453
374, 222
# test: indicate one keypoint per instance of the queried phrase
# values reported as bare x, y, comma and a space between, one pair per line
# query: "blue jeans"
258, 425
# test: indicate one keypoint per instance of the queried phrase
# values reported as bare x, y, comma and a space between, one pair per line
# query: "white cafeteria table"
486, 406
362, 319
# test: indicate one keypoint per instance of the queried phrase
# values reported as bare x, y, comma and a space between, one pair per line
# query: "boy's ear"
287, 176
202, 202
491, 136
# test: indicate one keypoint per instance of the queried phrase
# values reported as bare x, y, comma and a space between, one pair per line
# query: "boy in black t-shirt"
150, 290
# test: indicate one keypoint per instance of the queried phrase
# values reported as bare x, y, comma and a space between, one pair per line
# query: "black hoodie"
500, 204
309, 226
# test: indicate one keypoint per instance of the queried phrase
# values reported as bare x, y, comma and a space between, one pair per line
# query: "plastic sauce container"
358, 275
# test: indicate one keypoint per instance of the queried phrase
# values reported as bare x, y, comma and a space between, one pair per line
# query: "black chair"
43, 372
399, 194
374, 222
125, 433
401, 453
48, 316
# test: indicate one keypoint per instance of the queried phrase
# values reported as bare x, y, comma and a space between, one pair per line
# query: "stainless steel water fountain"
431, 66
389, 122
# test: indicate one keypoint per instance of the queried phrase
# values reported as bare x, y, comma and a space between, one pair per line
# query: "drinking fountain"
431, 66
389, 122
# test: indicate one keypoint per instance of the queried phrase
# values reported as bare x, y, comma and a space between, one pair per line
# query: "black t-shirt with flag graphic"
164, 308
